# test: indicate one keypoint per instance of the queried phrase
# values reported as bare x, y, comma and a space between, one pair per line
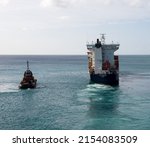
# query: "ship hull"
108, 79
26, 85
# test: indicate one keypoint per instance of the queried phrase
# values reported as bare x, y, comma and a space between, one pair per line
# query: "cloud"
63, 3
137, 3
4, 2
60, 3
64, 17
95, 12
46, 3
68, 3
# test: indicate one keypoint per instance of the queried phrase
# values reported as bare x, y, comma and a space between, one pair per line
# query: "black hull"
27, 86
108, 79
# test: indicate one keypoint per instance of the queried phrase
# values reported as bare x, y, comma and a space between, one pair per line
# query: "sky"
63, 27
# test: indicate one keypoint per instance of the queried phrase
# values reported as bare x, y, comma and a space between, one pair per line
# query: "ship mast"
27, 65
103, 38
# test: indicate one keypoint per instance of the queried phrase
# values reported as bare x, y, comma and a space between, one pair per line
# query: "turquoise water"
64, 99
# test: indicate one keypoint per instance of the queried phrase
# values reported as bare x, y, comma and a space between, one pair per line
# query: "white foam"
8, 87
98, 86
92, 90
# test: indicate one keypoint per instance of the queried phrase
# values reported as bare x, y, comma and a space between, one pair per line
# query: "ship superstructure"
103, 64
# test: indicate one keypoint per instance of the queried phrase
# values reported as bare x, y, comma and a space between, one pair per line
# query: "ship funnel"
98, 41
98, 44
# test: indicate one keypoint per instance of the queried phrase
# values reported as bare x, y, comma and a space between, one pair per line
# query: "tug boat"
103, 64
28, 80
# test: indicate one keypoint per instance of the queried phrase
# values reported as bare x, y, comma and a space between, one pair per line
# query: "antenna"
27, 65
103, 38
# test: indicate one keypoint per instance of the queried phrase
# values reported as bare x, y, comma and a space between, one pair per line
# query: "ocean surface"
65, 100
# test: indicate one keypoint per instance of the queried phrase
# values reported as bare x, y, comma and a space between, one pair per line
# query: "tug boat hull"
28, 85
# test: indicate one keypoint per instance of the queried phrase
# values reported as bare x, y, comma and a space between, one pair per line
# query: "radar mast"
27, 65
103, 38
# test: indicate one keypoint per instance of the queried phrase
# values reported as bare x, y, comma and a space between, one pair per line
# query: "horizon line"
67, 54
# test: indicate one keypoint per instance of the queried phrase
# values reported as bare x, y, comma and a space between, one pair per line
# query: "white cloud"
34, 26
107, 2
4, 2
60, 3
137, 3
65, 17
46, 3
96, 12
67, 3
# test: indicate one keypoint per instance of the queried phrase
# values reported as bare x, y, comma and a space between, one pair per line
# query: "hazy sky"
64, 26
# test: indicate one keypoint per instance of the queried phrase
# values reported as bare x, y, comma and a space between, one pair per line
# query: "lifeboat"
28, 80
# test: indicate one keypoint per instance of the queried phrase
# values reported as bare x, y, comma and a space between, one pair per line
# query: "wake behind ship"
103, 64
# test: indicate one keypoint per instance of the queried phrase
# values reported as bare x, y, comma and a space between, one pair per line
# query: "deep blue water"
64, 99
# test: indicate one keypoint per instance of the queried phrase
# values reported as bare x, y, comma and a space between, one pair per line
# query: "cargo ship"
28, 80
102, 63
